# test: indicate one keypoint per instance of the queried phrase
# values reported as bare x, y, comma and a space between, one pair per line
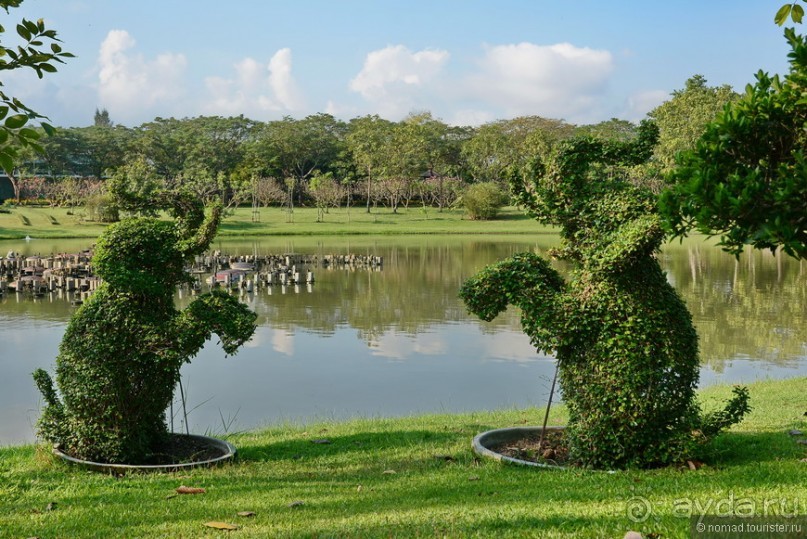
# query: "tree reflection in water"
399, 340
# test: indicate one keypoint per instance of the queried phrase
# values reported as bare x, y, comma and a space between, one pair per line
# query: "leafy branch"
793, 11
40, 50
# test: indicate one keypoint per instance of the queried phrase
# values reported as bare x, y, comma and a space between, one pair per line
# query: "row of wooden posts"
73, 272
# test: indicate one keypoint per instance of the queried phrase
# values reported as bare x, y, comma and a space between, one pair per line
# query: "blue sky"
466, 61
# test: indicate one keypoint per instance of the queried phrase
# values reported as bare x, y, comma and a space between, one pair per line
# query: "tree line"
321, 160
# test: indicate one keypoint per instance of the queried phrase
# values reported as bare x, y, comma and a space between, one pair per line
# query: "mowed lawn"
45, 222
415, 477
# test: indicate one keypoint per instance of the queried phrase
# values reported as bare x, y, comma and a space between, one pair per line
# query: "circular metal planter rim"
227, 449
483, 441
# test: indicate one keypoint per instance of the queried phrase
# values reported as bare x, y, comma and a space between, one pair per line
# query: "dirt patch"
553, 451
182, 450
178, 449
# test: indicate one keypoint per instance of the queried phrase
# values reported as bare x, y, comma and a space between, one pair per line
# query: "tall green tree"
498, 147
746, 180
84, 151
101, 118
165, 143
298, 148
39, 50
683, 119
366, 138
613, 129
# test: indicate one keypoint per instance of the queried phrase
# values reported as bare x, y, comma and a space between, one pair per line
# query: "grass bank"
42, 223
414, 477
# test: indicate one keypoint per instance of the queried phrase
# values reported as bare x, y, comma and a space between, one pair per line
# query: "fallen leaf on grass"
190, 490
221, 525
297, 503
246, 513
473, 478
358, 489
51, 506
389, 472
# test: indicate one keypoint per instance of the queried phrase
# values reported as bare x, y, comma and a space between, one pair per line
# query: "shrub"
100, 208
120, 357
483, 200
626, 348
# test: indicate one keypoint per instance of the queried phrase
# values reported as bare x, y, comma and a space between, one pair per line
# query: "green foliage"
747, 178
738, 407
15, 131
793, 10
120, 357
683, 118
626, 348
483, 201
101, 208
326, 192
498, 147
101, 118
133, 187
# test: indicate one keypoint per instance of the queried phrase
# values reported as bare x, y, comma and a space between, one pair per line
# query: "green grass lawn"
43, 222
413, 477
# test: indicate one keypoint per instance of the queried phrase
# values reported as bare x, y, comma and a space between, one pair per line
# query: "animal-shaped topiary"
626, 348
120, 358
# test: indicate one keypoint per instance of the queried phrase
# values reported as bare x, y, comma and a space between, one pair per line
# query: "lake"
397, 341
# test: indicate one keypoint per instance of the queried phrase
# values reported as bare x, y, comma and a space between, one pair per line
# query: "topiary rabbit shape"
626, 348
120, 358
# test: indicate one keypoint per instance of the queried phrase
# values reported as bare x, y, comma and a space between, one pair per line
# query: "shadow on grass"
241, 227
512, 217
743, 448
322, 445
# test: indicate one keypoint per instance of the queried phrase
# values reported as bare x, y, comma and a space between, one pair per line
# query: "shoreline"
417, 477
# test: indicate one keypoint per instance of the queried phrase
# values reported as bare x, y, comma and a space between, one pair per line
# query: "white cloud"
282, 82
256, 88
283, 342
393, 78
640, 103
130, 85
401, 346
514, 347
560, 81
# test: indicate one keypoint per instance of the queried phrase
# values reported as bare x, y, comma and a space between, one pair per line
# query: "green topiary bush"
483, 200
120, 358
626, 348
100, 208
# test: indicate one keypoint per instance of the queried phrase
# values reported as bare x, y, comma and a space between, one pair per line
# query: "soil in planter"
179, 449
553, 450
184, 449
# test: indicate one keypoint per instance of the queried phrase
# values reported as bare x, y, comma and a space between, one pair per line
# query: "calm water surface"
398, 341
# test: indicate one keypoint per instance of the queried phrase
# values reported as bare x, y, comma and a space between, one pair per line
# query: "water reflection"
398, 341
